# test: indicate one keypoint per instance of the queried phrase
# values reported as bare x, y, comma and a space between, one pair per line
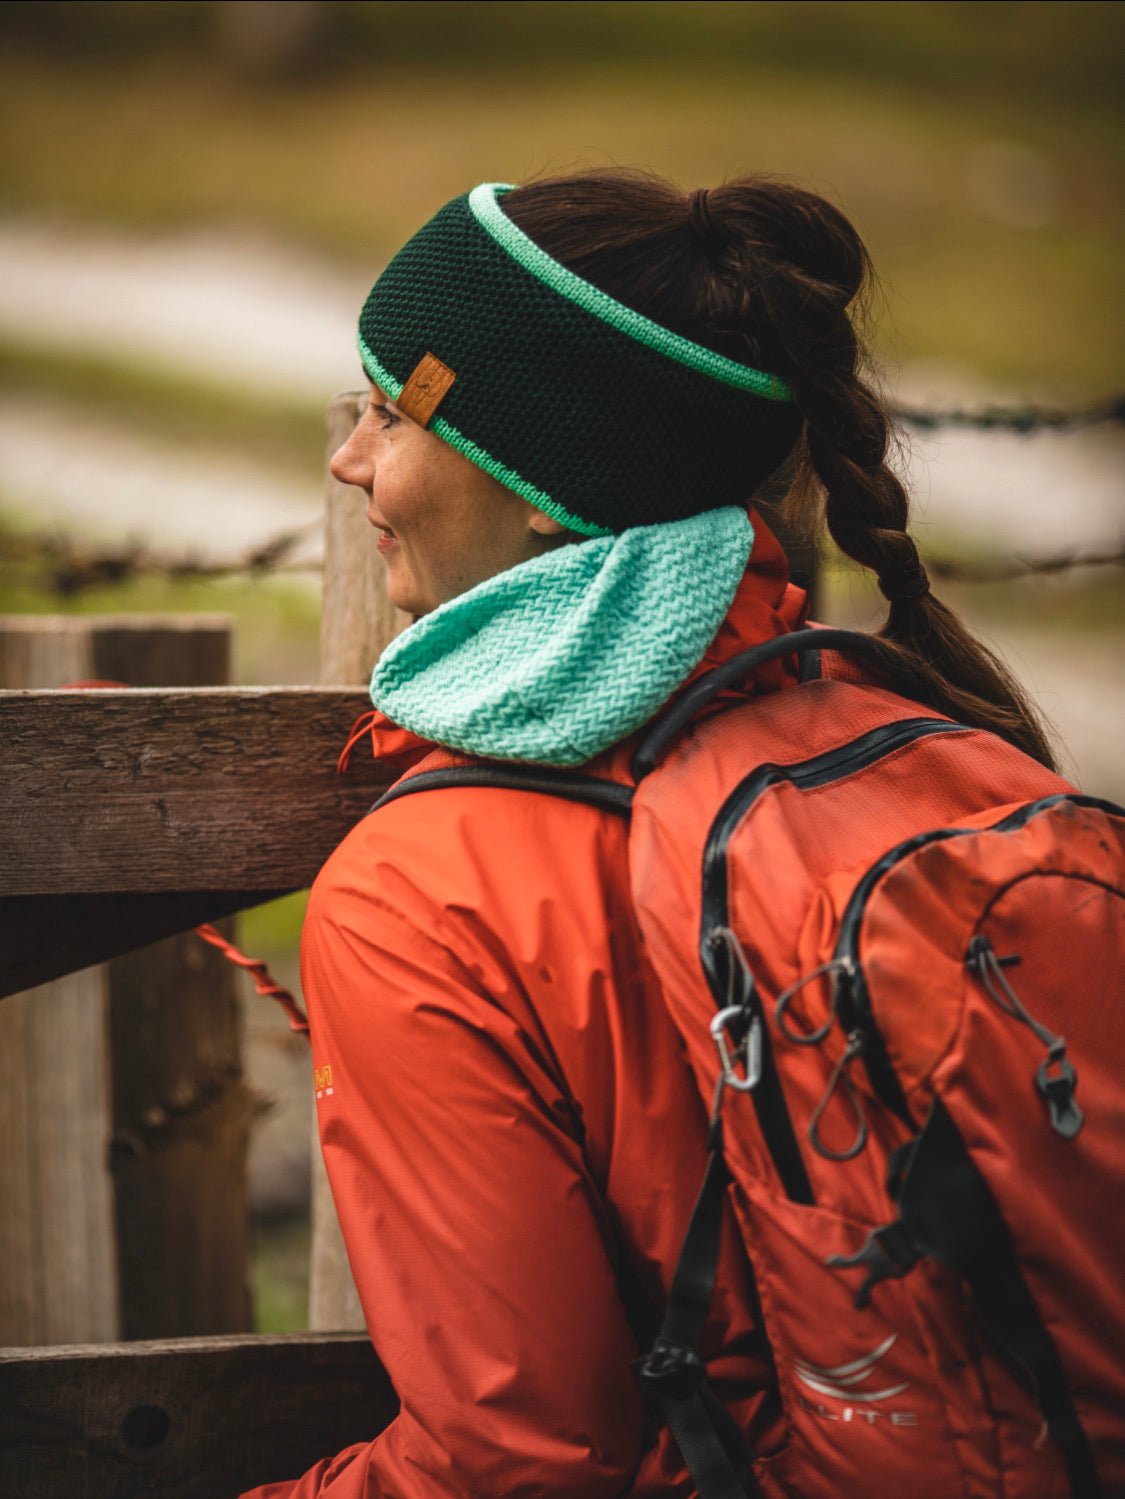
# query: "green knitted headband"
596, 415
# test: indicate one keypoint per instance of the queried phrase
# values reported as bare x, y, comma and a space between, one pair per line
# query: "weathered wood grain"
45, 937
193, 789
198, 1418
125, 1116
58, 1260
357, 619
177, 1155
58, 1248
141, 650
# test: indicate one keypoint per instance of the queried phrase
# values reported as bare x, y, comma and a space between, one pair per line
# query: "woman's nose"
351, 463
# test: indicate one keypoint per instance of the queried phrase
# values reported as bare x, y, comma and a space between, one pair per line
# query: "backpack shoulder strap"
596, 791
799, 643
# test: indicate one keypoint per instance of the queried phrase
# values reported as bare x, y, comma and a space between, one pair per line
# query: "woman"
577, 388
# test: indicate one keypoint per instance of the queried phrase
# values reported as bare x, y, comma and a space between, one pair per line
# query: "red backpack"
894, 947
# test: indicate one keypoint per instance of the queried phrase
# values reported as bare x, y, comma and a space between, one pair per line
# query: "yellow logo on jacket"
322, 1081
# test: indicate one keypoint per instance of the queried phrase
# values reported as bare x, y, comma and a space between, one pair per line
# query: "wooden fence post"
57, 1231
357, 618
123, 1118
357, 621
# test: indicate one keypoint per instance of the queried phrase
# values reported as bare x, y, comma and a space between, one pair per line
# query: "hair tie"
699, 218
913, 585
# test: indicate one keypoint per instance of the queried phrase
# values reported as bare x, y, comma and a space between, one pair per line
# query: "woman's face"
444, 524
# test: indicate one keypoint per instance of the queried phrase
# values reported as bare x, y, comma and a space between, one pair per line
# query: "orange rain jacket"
514, 1138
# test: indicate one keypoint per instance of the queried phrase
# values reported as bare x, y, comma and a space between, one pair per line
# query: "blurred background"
196, 195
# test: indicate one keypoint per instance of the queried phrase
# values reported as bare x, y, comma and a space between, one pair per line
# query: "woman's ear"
545, 525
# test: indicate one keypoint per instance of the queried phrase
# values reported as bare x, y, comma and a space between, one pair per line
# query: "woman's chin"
403, 591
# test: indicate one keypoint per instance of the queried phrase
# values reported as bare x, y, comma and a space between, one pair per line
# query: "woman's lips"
387, 539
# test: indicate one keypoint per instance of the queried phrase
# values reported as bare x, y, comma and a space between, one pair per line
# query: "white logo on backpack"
841, 1380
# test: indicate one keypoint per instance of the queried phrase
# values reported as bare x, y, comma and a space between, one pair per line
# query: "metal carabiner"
748, 1050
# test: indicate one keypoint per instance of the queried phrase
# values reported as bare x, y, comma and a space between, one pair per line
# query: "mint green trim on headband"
492, 218
465, 445
379, 373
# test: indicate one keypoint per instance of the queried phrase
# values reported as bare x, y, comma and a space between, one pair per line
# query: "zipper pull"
842, 970
841, 1071
1055, 1077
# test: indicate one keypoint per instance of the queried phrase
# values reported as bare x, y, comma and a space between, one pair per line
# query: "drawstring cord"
364, 724
264, 982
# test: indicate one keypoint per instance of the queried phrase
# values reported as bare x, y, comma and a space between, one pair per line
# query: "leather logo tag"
424, 391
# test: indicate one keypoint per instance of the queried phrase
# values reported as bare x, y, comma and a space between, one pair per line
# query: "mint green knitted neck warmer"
558, 658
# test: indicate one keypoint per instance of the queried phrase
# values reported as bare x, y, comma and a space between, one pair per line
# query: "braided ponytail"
766, 272
866, 508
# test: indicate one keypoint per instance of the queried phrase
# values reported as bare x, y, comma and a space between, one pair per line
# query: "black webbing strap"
696, 1422
674, 1374
947, 1212
675, 719
571, 785
953, 1217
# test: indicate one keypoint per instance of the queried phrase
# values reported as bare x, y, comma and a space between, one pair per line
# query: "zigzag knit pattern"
559, 657
596, 415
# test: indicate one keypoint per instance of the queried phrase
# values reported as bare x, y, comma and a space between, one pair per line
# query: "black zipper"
769, 1101
854, 999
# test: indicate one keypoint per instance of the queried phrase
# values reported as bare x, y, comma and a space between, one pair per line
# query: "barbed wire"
1004, 570
1020, 419
65, 566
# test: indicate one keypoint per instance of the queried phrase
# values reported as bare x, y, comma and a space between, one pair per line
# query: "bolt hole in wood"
145, 1427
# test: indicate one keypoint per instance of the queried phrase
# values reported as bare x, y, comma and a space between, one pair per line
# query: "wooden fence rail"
192, 1418
163, 809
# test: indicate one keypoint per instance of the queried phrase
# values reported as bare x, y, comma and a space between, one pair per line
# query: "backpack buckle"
887, 1254
670, 1370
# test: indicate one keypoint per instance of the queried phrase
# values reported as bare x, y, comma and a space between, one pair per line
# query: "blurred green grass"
903, 113
275, 927
279, 1273
1048, 51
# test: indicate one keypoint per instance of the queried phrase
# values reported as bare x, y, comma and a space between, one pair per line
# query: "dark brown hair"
765, 272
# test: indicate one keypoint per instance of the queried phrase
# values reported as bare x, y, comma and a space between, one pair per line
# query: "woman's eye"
384, 415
